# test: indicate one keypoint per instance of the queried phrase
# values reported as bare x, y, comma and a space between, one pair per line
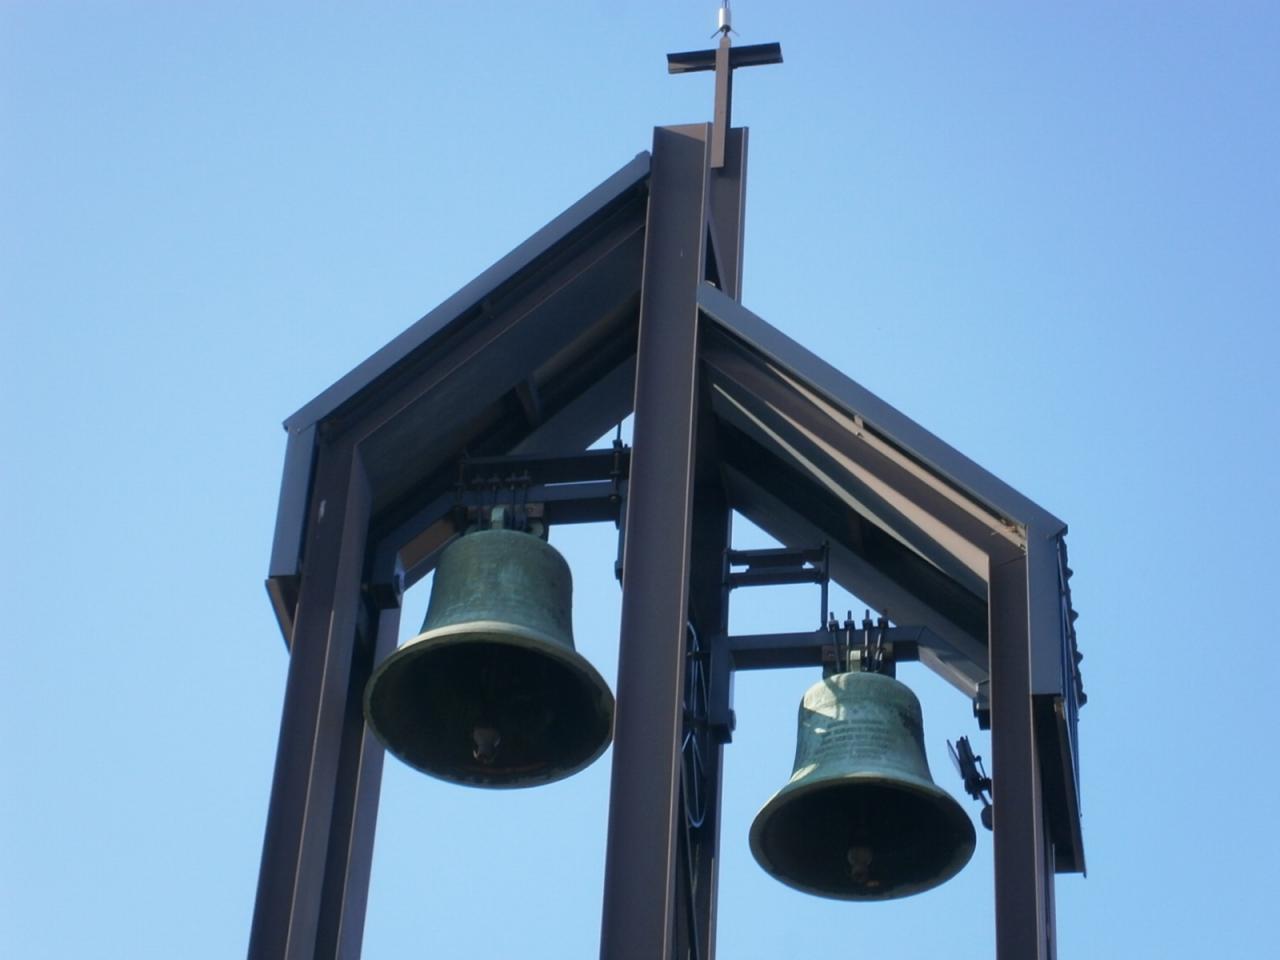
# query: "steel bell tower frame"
630, 302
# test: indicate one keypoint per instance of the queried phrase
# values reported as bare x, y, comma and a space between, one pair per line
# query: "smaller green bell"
860, 818
492, 692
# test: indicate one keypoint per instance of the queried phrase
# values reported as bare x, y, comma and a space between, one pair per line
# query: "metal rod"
587, 465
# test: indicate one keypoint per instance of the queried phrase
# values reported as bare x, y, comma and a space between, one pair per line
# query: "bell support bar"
586, 487
826, 647
787, 565
830, 645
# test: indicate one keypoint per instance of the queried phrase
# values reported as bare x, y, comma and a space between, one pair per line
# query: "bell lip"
501, 633
907, 784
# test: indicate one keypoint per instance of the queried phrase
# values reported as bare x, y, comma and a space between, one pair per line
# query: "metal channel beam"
728, 212
355, 817
315, 795
583, 487
642, 840
587, 417
435, 407
771, 651
790, 522
709, 613
1023, 877
612, 191
284, 574
921, 508
618, 190
411, 548
885, 419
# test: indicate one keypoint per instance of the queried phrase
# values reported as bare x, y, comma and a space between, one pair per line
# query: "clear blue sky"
1051, 235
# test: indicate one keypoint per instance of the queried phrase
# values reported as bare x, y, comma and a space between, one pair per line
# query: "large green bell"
860, 818
492, 693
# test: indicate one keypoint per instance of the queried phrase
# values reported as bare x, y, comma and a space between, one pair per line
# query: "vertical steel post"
641, 859
709, 608
314, 794
724, 102
355, 816
709, 600
1023, 879
728, 210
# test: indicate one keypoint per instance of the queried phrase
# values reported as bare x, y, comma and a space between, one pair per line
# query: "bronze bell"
492, 692
860, 818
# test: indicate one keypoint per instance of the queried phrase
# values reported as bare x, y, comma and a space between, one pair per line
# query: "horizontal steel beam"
775, 557
545, 469
768, 651
622, 187
587, 487
773, 577
593, 501
825, 648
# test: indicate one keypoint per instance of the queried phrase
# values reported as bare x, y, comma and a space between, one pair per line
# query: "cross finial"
724, 60
724, 19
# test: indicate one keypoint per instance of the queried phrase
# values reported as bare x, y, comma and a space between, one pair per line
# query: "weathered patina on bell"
861, 818
492, 692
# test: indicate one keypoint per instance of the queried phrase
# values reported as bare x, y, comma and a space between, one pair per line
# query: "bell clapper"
860, 854
860, 866
486, 740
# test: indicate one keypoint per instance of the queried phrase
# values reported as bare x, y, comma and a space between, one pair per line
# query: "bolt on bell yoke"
492, 692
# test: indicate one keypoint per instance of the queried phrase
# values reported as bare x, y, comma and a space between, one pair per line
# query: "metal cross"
724, 60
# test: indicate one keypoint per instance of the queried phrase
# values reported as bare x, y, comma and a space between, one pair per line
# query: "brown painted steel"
1023, 884
641, 860
310, 780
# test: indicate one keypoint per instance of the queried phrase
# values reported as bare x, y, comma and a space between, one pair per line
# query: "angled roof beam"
530, 401
910, 511
594, 247
616, 189
945, 461
798, 397
782, 521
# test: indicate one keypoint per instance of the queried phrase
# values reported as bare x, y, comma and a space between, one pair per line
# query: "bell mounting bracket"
580, 488
836, 646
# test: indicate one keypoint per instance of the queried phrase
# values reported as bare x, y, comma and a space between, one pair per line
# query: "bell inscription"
869, 737
862, 715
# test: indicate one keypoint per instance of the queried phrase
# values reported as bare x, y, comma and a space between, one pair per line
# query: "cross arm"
755, 55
